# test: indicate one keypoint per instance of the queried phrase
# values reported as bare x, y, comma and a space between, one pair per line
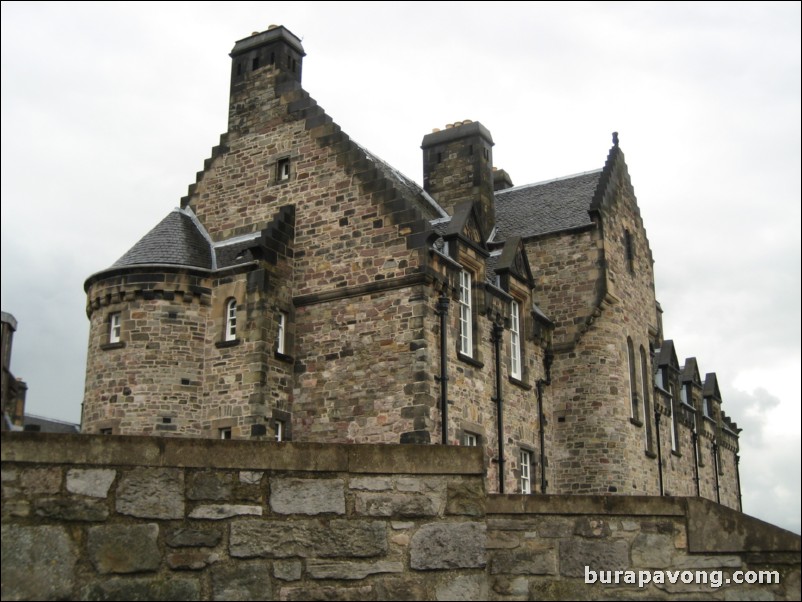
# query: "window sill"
636, 422
284, 357
225, 344
520, 383
676, 453
469, 360
110, 346
650, 454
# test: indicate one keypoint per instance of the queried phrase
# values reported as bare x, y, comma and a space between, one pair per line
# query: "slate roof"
544, 207
49, 425
175, 240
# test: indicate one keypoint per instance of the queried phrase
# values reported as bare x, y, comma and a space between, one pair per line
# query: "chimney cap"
274, 33
456, 131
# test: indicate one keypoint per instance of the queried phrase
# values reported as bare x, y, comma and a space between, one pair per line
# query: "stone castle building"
307, 290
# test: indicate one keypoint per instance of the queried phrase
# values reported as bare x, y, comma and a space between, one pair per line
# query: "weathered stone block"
191, 559
348, 569
448, 546
71, 509
138, 588
221, 511
308, 538
250, 477
93, 482
463, 587
184, 538
41, 480
38, 563
124, 548
371, 483
652, 550
592, 527
527, 561
465, 498
210, 486
327, 592
600, 554
287, 570
307, 496
403, 587
152, 493
406, 505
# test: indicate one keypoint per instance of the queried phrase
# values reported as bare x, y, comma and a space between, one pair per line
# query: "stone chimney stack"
259, 63
458, 166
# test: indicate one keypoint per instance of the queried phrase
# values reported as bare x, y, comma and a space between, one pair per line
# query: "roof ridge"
541, 183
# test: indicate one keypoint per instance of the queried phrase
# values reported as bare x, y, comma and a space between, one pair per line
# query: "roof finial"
615, 138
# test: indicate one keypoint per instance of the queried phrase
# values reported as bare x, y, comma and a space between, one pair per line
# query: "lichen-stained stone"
652, 550
463, 587
139, 588
185, 538
308, 538
93, 482
467, 499
524, 561
448, 546
124, 548
193, 560
242, 581
348, 569
287, 570
207, 485
38, 563
78, 509
402, 587
307, 496
601, 554
41, 480
407, 505
221, 511
152, 493
328, 592
251, 477
371, 483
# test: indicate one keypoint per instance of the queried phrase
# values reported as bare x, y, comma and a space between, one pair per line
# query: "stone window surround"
230, 330
115, 327
472, 428
516, 350
525, 476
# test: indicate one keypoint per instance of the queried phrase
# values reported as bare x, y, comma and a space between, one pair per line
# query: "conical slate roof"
175, 240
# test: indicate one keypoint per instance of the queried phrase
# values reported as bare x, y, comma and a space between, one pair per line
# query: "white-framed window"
282, 329
465, 315
526, 471
279, 430
115, 327
231, 320
707, 407
515, 340
225, 433
470, 439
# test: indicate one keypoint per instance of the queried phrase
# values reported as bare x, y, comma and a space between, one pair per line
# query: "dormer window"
465, 315
115, 327
231, 320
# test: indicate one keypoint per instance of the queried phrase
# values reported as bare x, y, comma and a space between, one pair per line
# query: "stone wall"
101, 518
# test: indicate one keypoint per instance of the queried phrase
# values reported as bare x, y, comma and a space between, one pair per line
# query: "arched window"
231, 320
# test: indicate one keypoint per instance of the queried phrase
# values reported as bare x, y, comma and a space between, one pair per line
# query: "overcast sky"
108, 110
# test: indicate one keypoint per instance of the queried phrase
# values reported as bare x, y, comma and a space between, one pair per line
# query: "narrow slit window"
280, 430
281, 335
515, 341
465, 315
115, 328
526, 471
231, 320
283, 170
